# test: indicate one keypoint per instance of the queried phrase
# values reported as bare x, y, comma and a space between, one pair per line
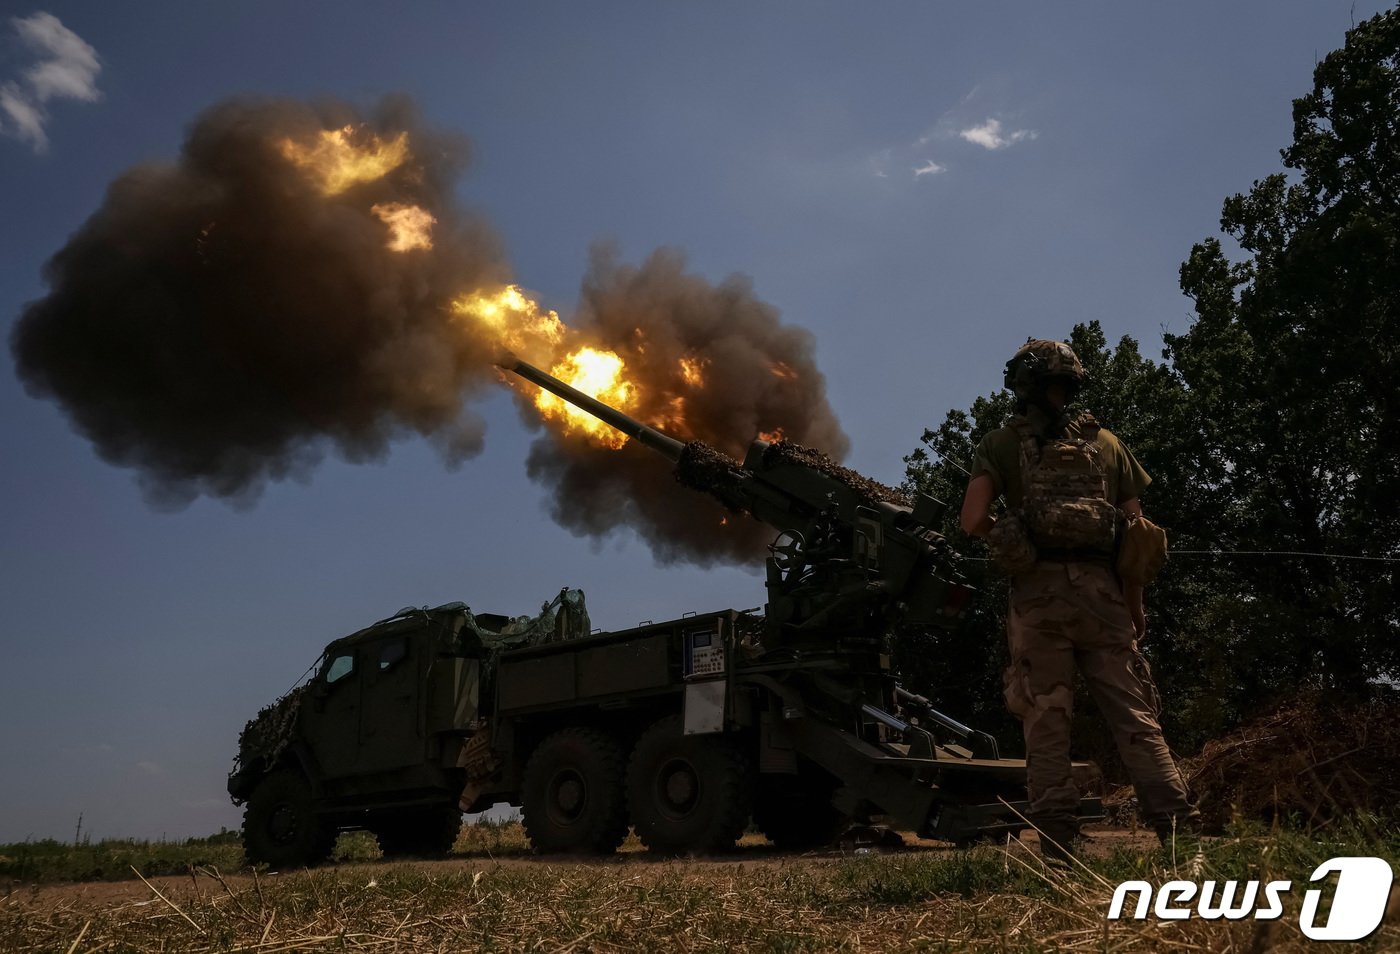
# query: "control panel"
704, 652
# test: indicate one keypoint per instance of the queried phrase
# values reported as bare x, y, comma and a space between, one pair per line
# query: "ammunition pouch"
1141, 551
1010, 545
1086, 523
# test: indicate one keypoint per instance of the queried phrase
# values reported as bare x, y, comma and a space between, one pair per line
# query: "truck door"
390, 720
331, 715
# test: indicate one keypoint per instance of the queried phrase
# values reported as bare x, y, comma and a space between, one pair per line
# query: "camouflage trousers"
1068, 615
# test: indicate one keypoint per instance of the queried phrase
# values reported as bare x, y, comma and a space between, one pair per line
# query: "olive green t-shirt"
999, 457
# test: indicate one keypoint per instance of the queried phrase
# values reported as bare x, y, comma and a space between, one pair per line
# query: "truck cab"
371, 741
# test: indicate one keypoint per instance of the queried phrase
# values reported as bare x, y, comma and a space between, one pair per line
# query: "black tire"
688, 793
421, 832
281, 828
573, 797
795, 813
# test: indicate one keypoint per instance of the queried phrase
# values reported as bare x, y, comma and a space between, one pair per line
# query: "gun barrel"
649, 436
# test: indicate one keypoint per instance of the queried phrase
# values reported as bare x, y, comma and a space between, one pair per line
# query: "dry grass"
1314, 759
995, 899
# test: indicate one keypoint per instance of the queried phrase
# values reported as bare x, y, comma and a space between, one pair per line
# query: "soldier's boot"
1059, 842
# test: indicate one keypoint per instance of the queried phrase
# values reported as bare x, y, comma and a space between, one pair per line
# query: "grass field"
492, 895
113, 859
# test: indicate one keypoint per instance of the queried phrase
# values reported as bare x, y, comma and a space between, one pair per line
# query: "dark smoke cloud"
759, 375
218, 322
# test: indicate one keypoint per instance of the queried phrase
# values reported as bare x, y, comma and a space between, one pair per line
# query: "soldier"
1068, 483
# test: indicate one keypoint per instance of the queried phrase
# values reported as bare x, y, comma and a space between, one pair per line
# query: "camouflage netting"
787, 452
267, 734
566, 617
1312, 760
703, 468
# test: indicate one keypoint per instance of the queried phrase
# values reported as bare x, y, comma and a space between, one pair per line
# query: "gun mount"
853, 561
851, 553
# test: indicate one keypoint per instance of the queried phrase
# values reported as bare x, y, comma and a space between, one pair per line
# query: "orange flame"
782, 371
690, 372
410, 226
336, 162
537, 335
598, 374
773, 436
516, 321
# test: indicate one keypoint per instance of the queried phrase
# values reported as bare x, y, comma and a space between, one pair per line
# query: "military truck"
376, 738
685, 730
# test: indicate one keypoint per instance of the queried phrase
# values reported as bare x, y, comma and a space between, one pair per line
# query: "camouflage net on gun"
703, 468
709, 471
786, 452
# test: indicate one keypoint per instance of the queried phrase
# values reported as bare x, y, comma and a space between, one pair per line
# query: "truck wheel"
427, 832
573, 798
687, 793
280, 825
795, 812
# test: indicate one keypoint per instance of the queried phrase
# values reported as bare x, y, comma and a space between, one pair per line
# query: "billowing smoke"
229, 318
751, 375
221, 321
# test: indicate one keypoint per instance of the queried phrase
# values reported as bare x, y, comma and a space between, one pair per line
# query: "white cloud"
66, 68
988, 135
22, 119
929, 168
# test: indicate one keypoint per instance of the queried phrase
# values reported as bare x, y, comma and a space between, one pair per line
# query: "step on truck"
788, 716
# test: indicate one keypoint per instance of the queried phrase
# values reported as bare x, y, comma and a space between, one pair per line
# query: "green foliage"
972, 688
111, 859
1271, 426
1291, 365
917, 878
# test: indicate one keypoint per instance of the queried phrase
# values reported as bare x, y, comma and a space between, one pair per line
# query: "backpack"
1065, 502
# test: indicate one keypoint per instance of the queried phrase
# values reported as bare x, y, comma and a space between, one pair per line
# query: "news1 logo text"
1359, 900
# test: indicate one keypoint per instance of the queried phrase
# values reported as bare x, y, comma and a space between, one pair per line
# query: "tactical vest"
1065, 500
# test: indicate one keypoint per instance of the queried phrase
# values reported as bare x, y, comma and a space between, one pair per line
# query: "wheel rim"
677, 788
567, 797
282, 826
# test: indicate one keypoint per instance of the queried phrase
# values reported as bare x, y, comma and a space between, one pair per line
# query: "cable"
1287, 553
1257, 553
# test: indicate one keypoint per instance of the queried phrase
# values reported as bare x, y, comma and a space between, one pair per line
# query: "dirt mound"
1314, 758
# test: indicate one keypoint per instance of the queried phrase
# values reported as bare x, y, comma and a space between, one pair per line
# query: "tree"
1292, 364
1272, 426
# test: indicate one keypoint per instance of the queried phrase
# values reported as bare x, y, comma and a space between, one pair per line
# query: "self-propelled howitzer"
854, 560
684, 730
851, 552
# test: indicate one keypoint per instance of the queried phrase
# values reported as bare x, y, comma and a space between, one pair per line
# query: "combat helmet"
1038, 361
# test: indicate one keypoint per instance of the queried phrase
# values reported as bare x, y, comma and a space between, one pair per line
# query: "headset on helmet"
1039, 360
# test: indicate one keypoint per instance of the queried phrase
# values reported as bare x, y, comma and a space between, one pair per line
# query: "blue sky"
919, 185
